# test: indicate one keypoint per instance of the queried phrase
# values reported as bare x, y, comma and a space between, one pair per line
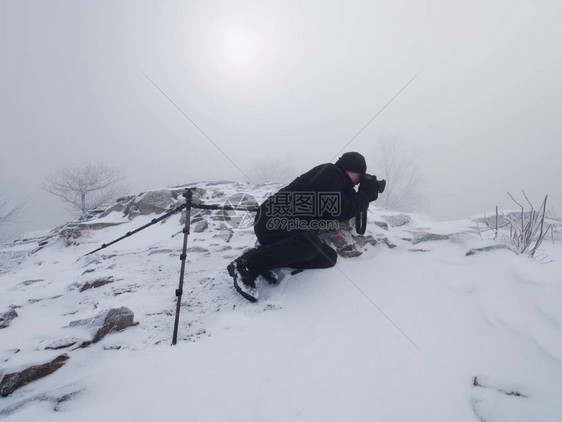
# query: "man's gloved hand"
370, 186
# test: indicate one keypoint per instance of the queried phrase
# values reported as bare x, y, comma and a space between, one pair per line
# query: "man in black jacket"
286, 224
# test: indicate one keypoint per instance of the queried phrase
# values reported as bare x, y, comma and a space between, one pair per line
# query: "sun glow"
240, 45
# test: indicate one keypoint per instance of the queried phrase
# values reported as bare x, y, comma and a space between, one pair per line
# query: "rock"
486, 249
200, 226
69, 235
427, 237
28, 282
118, 207
125, 199
196, 249
116, 320
361, 241
388, 243
348, 252
11, 382
97, 225
382, 224
7, 317
397, 220
58, 398
62, 343
158, 251
96, 283
195, 219
106, 322
154, 202
220, 217
225, 235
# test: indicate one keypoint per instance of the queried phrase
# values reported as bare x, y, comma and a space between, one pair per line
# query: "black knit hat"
352, 161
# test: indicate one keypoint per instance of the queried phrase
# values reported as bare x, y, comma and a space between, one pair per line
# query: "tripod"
188, 195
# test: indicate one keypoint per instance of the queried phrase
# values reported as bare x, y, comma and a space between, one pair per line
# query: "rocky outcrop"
11, 382
154, 202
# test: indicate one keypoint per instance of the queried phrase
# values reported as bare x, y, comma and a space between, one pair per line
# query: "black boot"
244, 280
270, 277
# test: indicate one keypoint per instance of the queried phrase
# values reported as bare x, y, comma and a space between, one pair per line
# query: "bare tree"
271, 170
7, 211
86, 187
396, 162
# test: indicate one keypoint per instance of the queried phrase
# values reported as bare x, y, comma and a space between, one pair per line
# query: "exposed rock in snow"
199, 226
427, 237
58, 398
397, 220
94, 284
11, 382
225, 235
154, 202
195, 249
361, 241
486, 249
62, 343
105, 322
98, 225
382, 224
6, 317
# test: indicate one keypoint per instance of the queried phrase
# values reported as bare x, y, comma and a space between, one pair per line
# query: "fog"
294, 80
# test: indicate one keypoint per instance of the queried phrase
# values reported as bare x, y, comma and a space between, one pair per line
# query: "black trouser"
300, 249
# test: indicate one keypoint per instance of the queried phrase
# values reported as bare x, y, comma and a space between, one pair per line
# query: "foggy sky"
291, 79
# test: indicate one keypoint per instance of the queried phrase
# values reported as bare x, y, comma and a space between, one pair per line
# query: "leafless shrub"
527, 229
527, 232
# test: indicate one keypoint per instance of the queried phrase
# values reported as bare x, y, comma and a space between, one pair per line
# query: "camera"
381, 184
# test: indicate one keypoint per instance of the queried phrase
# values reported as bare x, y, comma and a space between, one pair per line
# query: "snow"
390, 335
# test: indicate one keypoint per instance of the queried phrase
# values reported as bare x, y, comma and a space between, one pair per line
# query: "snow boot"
270, 277
244, 280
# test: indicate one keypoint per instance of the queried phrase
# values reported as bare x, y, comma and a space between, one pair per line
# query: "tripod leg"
179, 291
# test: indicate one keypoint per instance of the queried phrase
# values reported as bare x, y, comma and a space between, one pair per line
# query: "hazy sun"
240, 45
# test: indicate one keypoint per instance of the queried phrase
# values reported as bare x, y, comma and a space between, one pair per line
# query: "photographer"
286, 223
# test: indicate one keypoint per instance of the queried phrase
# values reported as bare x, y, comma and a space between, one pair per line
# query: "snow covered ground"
417, 332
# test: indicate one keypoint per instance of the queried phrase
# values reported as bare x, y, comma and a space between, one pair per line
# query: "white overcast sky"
290, 79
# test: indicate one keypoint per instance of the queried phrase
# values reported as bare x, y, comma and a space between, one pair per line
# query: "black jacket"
325, 179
